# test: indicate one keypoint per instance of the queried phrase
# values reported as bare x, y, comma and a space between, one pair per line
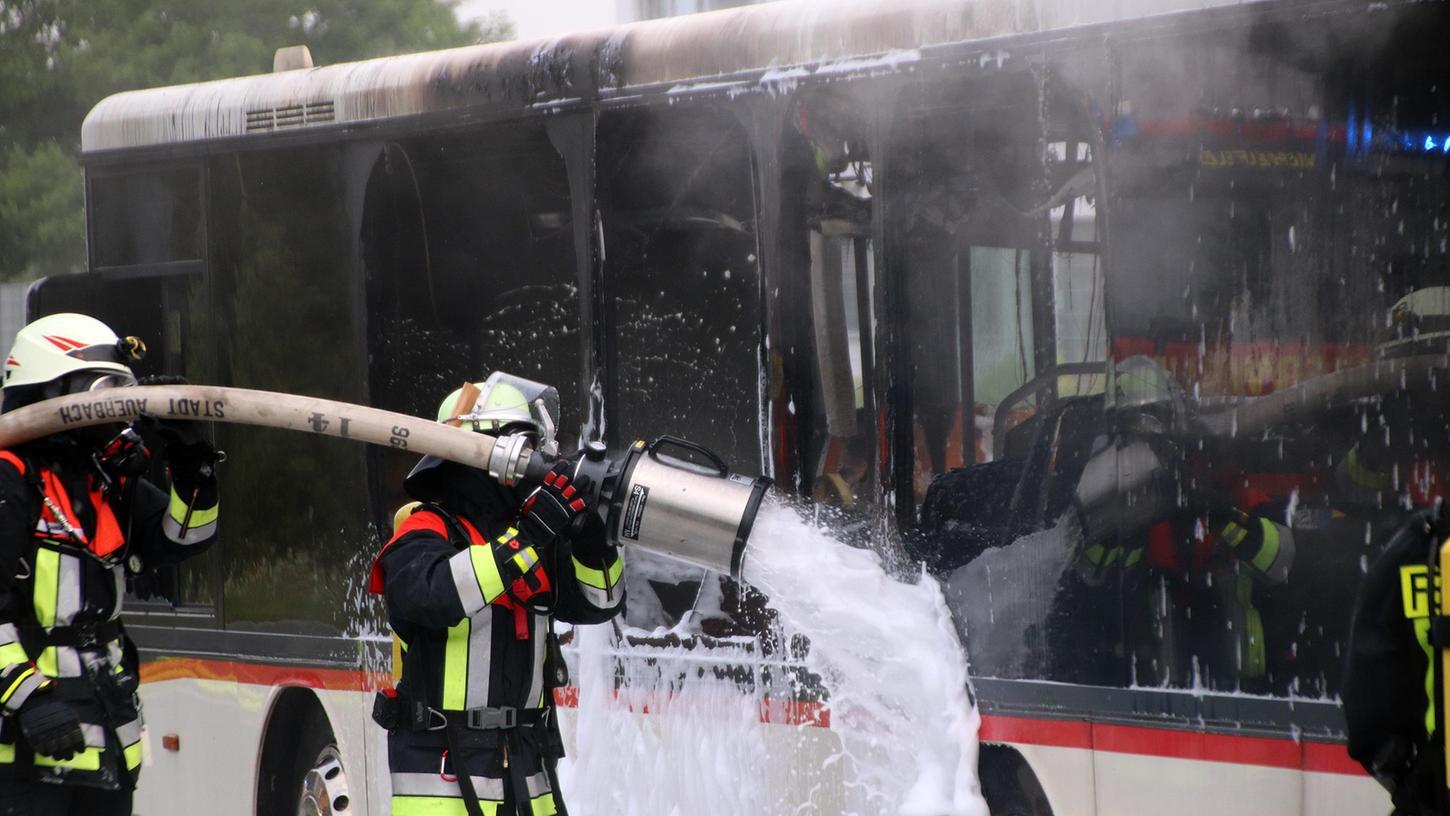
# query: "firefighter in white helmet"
474, 576
76, 517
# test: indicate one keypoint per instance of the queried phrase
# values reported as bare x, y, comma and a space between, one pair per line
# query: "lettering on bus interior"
200, 409
102, 409
1257, 159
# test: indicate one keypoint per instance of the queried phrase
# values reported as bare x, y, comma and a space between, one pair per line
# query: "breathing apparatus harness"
486, 727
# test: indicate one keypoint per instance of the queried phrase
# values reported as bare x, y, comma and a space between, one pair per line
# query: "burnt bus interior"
1002, 304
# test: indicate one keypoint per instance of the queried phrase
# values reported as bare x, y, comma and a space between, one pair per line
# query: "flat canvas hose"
268, 409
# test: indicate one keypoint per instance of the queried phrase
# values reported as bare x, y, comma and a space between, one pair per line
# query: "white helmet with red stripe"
58, 346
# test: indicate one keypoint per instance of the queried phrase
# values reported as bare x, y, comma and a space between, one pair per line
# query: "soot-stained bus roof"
499, 77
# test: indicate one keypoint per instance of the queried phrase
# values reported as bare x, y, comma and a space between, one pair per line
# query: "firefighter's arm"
429, 581
166, 529
19, 677
591, 586
1383, 692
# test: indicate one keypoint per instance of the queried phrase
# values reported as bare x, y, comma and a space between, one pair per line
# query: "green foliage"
42, 221
60, 57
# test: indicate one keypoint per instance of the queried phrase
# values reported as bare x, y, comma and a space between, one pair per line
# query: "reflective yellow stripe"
595, 578
1363, 476
7, 754
1233, 534
525, 559
1270, 550
455, 665
133, 756
490, 583
15, 685
47, 596
12, 653
47, 586
199, 517
543, 805
1254, 662
87, 760
1422, 636
439, 806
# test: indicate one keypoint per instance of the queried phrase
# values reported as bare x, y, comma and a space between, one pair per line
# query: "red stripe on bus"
779, 712
1030, 731
1169, 743
262, 674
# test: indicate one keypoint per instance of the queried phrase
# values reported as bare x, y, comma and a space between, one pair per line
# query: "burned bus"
1049, 300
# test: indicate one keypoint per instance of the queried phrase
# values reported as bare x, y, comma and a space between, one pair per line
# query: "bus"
1056, 299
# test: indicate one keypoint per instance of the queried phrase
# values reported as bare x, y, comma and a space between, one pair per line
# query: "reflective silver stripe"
120, 575
598, 598
480, 655
431, 784
23, 690
536, 684
129, 733
538, 785
8, 633
68, 590
68, 662
466, 582
194, 534
95, 735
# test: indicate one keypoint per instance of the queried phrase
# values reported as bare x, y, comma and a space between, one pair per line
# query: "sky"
545, 18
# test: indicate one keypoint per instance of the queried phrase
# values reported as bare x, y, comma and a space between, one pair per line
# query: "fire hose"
699, 514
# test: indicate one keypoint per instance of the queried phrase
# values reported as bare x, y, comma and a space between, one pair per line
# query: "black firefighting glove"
51, 727
588, 541
190, 456
522, 567
554, 506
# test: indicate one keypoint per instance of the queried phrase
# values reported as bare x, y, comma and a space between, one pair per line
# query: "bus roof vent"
289, 116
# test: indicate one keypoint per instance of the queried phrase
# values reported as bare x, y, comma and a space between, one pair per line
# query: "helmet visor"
88, 381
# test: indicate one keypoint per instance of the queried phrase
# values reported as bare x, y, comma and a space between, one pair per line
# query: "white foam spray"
671, 730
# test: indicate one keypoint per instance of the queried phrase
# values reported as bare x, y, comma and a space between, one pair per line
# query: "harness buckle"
85, 633
427, 718
486, 719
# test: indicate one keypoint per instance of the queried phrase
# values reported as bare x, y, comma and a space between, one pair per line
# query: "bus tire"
301, 769
1009, 784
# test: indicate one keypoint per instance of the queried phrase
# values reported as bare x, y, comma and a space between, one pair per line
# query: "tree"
59, 58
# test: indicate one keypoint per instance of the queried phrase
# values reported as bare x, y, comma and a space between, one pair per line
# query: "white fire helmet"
79, 350
506, 405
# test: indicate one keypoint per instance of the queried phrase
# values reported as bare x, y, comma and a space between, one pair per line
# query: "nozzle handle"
715, 460
538, 467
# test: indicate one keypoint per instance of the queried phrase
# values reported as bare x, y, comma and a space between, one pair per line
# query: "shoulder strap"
456, 533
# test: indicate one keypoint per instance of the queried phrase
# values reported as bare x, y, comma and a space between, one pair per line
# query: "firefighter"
1389, 681
473, 578
76, 516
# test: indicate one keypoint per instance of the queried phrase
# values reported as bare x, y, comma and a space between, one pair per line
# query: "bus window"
680, 271
1004, 311
1262, 245
470, 267
143, 218
284, 317
680, 265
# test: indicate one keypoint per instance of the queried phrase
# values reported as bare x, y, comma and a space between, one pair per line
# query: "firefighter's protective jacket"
1388, 693
476, 658
64, 542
